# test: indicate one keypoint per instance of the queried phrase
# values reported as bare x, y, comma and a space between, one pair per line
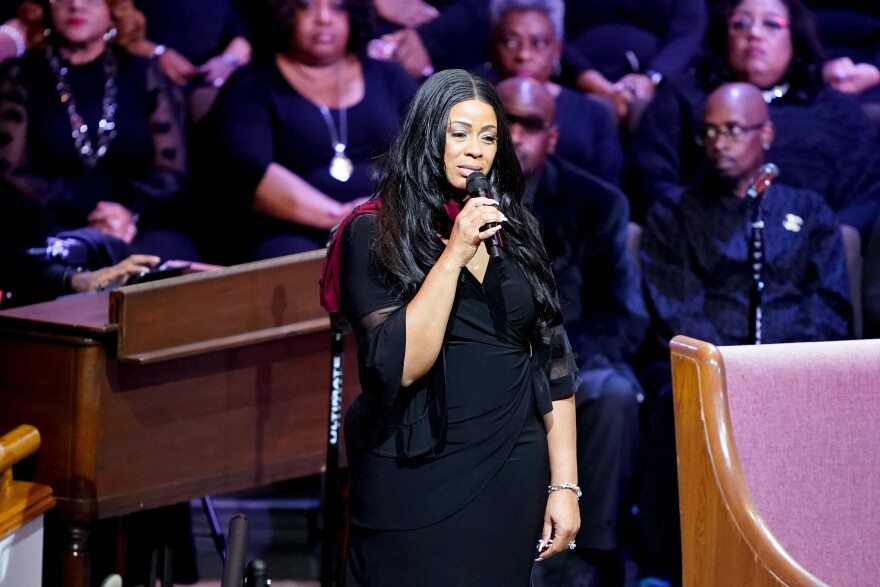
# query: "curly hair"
414, 189
129, 22
361, 22
805, 69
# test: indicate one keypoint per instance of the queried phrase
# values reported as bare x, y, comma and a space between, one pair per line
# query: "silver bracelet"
571, 486
15, 37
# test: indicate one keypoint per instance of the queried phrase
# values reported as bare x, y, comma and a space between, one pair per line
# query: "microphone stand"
765, 177
332, 506
756, 255
756, 258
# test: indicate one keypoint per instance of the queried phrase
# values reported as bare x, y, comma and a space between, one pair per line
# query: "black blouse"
44, 185
697, 273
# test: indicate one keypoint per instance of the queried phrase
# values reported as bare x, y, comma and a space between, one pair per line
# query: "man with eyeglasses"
584, 223
697, 275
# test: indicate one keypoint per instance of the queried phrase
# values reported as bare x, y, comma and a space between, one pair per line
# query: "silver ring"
572, 545
218, 82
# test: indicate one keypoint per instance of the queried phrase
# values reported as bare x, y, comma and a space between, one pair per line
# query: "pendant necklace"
341, 166
88, 153
775, 92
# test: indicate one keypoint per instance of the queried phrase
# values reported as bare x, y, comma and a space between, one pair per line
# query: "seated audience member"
91, 135
527, 40
197, 43
824, 141
584, 223
429, 36
850, 34
26, 279
697, 274
623, 49
13, 36
291, 139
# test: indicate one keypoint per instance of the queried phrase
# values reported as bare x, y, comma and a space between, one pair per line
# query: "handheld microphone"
477, 186
767, 174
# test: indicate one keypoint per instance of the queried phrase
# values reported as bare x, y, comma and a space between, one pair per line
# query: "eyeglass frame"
773, 25
729, 130
528, 123
516, 43
68, 2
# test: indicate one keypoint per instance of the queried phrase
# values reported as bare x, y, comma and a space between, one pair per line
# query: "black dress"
449, 476
44, 186
259, 119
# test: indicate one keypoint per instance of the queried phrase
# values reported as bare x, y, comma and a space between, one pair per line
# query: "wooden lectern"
158, 393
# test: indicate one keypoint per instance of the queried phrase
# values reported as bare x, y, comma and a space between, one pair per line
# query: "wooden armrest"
20, 501
17, 445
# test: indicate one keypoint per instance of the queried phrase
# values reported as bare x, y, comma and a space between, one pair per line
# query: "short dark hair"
361, 21
805, 69
414, 189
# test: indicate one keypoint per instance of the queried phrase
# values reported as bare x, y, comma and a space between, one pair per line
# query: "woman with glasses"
92, 136
824, 140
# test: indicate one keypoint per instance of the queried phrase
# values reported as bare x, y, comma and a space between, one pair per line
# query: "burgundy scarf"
333, 260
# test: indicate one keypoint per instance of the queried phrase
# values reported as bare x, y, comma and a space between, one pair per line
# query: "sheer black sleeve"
562, 371
162, 187
387, 418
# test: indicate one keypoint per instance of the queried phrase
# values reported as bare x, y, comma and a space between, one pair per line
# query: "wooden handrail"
18, 444
20, 501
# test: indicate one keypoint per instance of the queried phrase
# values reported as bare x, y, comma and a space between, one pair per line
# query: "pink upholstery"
806, 419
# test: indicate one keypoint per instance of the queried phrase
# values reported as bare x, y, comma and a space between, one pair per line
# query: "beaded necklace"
79, 130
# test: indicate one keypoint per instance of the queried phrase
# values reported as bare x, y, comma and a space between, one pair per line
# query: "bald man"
697, 278
584, 223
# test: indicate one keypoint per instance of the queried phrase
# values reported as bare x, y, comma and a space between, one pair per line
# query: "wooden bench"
778, 462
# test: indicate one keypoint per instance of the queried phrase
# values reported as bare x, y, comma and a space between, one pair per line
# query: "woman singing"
462, 444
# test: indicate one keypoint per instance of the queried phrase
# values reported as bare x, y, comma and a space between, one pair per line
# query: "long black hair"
805, 69
414, 190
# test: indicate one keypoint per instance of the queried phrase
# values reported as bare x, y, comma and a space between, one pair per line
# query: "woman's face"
471, 141
525, 44
80, 22
320, 31
759, 47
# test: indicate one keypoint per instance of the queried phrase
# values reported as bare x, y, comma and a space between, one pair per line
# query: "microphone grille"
476, 181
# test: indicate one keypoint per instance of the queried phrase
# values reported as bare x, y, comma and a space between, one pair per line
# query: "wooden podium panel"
162, 392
